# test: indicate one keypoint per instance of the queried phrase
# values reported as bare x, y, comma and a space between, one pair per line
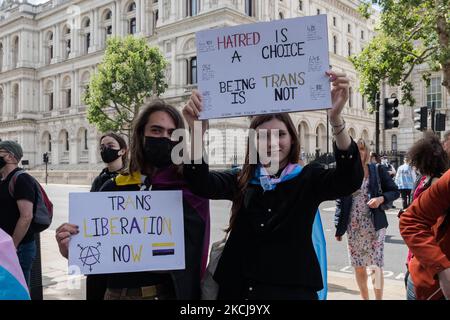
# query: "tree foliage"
410, 33
130, 71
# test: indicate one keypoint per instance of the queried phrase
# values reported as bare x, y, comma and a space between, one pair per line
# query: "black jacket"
103, 177
271, 239
389, 192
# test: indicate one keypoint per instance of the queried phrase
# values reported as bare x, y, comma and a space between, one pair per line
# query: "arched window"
66, 142
1, 102
281, 16
107, 25
108, 15
250, 8
132, 7
49, 96
66, 92
350, 97
349, 44
321, 138
192, 7
67, 42
132, 26
86, 35
1, 56
335, 44
303, 135
192, 71
15, 52
49, 47
15, 99
352, 133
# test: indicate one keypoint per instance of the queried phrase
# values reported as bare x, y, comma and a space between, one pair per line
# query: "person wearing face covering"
151, 168
113, 150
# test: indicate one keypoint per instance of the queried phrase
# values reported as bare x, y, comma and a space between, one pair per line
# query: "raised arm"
348, 175
211, 185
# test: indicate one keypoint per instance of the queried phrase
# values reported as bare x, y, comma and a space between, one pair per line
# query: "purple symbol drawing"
90, 255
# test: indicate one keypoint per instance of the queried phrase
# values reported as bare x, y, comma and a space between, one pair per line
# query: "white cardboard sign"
263, 68
127, 231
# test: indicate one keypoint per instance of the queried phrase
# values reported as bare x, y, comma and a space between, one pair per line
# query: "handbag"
209, 287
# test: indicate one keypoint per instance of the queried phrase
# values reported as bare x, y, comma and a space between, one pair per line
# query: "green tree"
411, 33
130, 71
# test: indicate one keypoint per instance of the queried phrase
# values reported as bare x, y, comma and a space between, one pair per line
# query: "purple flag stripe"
164, 252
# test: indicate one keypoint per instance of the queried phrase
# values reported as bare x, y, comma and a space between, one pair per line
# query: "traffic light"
390, 112
440, 122
421, 118
45, 157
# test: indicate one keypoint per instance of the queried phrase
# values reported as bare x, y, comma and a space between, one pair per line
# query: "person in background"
17, 209
390, 168
360, 216
428, 156
446, 143
404, 179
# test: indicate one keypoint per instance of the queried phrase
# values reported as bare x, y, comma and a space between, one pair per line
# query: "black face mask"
157, 151
2, 162
109, 155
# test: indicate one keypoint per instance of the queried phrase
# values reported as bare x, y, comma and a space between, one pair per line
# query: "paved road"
395, 249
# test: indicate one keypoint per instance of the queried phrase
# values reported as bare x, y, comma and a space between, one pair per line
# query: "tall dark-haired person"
269, 253
151, 168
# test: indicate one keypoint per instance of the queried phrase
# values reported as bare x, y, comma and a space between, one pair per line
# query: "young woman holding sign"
269, 253
151, 168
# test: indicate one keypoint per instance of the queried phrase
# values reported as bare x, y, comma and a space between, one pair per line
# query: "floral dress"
365, 245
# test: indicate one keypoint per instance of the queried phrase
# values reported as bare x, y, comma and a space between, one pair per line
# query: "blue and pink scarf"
269, 183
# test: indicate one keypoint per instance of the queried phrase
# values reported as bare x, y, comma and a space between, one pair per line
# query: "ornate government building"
49, 51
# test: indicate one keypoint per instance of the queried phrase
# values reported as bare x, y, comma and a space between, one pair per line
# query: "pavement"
59, 285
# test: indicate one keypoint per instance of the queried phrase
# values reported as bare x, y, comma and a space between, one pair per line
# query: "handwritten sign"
127, 231
262, 68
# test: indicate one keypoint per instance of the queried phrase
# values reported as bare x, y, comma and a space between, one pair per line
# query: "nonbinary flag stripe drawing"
12, 281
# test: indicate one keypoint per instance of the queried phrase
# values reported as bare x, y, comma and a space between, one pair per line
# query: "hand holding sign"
339, 93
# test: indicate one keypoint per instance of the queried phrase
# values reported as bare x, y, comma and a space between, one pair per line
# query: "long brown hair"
137, 159
248, 169
122, 144
362, 143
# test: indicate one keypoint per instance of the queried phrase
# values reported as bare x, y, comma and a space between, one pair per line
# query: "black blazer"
271, 240
389, 192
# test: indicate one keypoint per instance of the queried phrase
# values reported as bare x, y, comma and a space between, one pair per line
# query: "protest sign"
127, 231
263, 68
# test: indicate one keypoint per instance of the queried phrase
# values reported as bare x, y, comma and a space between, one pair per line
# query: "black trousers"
406, 196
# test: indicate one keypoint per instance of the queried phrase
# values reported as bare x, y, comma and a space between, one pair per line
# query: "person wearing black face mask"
151, 168
113, 151
157, 151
